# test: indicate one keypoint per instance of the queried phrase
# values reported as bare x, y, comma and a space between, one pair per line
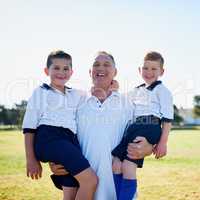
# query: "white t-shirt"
155, 100
49, 106
100, 129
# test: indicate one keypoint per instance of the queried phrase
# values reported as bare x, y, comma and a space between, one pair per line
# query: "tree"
177, 118
3, 114
21, 108
13, 116
8, 116
196, 109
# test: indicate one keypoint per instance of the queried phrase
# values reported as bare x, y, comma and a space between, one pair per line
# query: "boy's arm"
30, 122
167, 112
161, 148
33, 167
166, 127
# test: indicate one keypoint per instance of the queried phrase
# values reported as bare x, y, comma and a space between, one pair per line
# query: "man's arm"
33, 166
139, 148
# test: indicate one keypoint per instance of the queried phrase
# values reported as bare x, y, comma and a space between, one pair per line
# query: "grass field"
176, 177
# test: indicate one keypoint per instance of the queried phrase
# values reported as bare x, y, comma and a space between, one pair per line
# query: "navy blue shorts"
61, 146
145, 126
65, 180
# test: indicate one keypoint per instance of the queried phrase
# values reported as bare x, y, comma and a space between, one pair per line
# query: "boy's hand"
114, 86
160, 150
57, 169
34, 169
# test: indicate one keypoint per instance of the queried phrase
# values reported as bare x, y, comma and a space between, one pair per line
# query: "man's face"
151, 71
59, 71
103, 71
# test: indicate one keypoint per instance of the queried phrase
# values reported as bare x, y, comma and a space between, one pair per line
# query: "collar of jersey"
48, 87
150, 87
113, 94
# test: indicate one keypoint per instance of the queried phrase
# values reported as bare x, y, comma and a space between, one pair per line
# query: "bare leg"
129, 169
117, 174
129, 182
116, 166
69, 193
88, 183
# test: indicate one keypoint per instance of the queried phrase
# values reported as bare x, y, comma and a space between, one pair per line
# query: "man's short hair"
106, 54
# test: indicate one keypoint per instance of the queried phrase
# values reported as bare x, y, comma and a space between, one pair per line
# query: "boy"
153, 116
50, 128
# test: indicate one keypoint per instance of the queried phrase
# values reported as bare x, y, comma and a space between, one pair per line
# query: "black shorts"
145, 126
61, 146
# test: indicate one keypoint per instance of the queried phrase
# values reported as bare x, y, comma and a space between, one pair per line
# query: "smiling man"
101, 121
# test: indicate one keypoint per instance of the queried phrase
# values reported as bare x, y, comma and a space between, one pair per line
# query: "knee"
90, 179
129, 169
117, 166
93, 179
124, 167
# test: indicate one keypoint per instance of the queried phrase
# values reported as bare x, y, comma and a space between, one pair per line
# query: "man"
101, 122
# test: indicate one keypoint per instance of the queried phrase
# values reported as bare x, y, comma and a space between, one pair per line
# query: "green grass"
175, 177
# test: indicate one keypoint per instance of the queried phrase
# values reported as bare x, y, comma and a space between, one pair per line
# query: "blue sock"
117, 180
128, 189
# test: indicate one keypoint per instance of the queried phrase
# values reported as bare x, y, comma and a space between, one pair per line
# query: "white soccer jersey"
49, 106
155, 100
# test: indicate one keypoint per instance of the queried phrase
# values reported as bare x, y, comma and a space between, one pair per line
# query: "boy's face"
103, 71
59, 71
151, 71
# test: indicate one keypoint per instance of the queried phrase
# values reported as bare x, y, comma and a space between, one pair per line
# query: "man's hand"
160, 150
34, 169
139, 148
57, 169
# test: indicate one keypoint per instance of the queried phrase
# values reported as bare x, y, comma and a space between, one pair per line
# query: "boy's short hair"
154, 56
106, 54
58, 54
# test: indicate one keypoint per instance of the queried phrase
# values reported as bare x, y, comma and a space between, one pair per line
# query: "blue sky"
128, 29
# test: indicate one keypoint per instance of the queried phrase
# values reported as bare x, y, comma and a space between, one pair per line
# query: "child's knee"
129, 169
117, 166
87, 178
93, 179
69, 193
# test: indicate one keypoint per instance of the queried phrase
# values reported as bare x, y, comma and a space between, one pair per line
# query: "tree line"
13, 117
